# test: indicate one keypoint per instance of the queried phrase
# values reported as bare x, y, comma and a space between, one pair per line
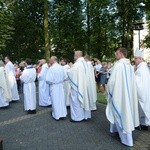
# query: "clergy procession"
64, 86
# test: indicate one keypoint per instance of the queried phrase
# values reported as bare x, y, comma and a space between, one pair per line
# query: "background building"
136, 44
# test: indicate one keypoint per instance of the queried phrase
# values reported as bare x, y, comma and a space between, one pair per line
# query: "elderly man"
142, 74
44, 94
5, 91
122, 103
55, 78
78, 76
10, 69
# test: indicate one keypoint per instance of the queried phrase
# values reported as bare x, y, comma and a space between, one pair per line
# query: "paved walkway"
40, 132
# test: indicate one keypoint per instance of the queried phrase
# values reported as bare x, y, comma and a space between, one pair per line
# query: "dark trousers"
18, 85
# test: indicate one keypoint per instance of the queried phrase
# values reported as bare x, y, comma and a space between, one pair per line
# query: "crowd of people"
62, 84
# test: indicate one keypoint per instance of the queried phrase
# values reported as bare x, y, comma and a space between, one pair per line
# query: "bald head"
78, 54
53, 60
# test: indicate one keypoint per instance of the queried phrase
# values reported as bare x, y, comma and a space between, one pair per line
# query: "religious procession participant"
10, 69
44, 89
142, 74
79, 103
55, 78
92, 94
122, 103
67, 86
5, 91
29, 89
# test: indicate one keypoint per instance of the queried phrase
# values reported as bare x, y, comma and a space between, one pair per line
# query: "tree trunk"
46, 35
88, 28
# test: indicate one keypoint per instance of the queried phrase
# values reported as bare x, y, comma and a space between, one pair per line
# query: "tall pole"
138, 27
46, 35
139, 39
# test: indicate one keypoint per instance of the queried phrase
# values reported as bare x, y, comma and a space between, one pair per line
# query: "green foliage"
28, 34
6, 21
97, 27
128, 13
101, 98
101, 28
66, 27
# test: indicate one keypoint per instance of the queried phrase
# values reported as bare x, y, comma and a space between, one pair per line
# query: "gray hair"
1, 63
54, 58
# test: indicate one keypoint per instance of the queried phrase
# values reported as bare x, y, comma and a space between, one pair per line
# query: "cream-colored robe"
10, 69
122, 104
67, 86
5, 91
142, 74
92, 94
79, 82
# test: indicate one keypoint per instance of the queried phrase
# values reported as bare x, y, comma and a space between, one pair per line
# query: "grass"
101, 98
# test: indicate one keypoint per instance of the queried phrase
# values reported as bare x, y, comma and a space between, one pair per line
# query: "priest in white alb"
142, 74
44, 89
55, 78
79, 102
122, 103
91, 83
29, 89
10, 69
5, 91
67, 86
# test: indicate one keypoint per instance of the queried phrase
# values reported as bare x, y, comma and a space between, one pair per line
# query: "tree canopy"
97, 27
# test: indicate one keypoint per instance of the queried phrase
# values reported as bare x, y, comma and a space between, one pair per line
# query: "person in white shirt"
10, 69
44, 87
29, 89
97, 68
55, 78
122, 103
92, 94
67, 86
79, 102
142, 74
5, 91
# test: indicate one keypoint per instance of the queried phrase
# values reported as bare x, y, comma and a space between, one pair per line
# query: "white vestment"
10, 69
122, 103
5, 91
55, 77
79, 104
92, 94
29, 90
44, 91
142, 74
67, 86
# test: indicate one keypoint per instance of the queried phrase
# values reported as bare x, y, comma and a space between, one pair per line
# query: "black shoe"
62, 118
32, 111
68, 107
138, 128
53, 117
76, 121
144, 127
